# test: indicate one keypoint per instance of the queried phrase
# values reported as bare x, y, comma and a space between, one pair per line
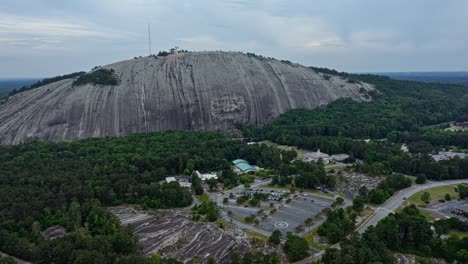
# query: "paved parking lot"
448, 207
287, 216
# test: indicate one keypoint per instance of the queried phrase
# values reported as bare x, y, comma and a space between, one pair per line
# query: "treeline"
399, 113
430, 138
118, 170
397, 106
339, 224
44, 184
385, 189
46, 81
303, 175
95, 236
405, 232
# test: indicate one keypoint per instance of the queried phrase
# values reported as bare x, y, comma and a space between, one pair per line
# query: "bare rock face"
187, 91
54, 232
171, 234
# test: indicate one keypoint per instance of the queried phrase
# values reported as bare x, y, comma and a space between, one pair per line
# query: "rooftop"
206, 176
170, 179
239, 161
244, 166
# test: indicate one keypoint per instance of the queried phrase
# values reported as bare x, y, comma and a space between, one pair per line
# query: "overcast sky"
41, 38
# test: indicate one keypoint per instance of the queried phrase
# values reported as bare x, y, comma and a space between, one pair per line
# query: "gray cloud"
55, 37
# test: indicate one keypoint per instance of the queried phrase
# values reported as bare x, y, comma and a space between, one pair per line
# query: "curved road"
388, 207
398, 198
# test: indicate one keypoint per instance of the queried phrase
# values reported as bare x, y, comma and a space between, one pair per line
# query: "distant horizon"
19, 77
370, 72
434, 71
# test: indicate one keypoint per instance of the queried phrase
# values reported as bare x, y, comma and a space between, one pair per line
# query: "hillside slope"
187, 91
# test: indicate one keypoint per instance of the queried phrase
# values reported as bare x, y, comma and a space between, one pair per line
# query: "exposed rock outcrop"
54, 232
188, 91
170, 233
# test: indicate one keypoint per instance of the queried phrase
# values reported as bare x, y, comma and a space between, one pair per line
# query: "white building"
182, 183
170, 179
316, 156
185, 184
206, 176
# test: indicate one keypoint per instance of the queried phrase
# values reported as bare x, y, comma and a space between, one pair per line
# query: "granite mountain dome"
186, 91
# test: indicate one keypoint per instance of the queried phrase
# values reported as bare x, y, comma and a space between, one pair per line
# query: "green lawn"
204, 197
437, 193
460, 234
424, 213
300, 153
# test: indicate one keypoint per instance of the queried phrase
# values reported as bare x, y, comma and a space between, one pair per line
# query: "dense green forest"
45, 184
70, 184
401, 112
405, 232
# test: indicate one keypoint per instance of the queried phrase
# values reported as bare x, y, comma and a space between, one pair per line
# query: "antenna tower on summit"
149, 38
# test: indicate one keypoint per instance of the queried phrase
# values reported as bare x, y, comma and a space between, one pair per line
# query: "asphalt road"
397, 199
388, 207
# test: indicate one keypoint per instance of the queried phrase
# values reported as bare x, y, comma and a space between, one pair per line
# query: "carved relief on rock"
226, 107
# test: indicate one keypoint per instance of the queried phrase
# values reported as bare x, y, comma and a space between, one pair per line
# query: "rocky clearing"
348, 183
171, 233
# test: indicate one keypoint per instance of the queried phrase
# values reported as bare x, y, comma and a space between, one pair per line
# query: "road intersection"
387, 208
380, 212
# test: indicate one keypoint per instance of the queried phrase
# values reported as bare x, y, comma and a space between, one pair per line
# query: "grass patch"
458, 233
300, 153
255, 234
426, 215
366, 213
314, 191
242, 220
309, 237
204, 197
437, 193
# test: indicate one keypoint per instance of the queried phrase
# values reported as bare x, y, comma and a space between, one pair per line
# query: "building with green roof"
244, 166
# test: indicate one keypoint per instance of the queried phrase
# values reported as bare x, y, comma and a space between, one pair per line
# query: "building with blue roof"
244, 166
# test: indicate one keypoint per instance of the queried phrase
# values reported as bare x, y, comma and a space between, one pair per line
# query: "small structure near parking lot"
462, 210
183, 181
324, 157
206, 176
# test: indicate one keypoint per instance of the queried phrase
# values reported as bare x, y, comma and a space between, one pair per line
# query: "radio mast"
149, 38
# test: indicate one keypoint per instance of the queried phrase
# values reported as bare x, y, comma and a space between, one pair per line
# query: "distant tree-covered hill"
459, 77
8, 84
